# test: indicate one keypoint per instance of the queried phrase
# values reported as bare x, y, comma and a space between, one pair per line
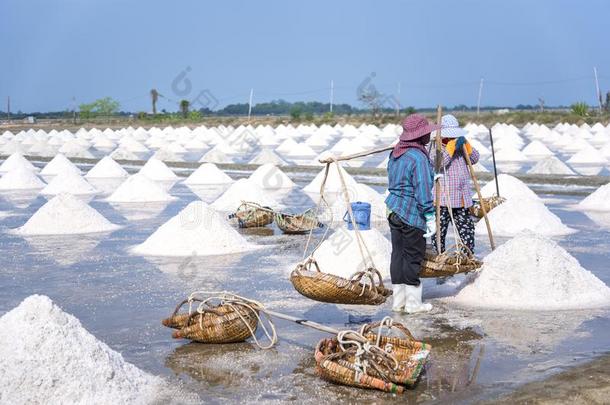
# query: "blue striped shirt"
410, 181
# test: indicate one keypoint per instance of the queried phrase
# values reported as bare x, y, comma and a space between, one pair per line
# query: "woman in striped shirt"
411, 213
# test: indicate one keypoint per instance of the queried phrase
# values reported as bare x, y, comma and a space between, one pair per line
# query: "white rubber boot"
399, 297
413, 300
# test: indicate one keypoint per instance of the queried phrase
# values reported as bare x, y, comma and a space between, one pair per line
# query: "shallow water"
121, 298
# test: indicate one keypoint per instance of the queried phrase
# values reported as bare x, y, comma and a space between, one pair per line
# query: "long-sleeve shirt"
456, 179
410, 181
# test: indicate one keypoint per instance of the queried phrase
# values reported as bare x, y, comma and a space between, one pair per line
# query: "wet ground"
121, 298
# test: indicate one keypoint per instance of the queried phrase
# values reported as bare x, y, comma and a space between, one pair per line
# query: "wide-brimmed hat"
450, 127
415, 126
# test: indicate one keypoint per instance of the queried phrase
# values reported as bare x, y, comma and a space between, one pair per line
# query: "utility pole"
332, 95
8, 109
250, 104
74, 110
479, 99
398, 100
598, 93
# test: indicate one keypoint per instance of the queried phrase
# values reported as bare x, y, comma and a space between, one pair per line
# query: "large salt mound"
15, 161
599, 200
59, 164
510, 187
208, 173
106, 168
69, 182
333, 182
65, 215
139, 188
20, 178
588, 155
197, 230
518, 214
551, 165
46, 356
531, 272
243, 190
340, 255
155, 169
268, 176
267, 156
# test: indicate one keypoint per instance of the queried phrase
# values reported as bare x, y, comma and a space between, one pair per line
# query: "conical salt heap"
208, 173
139, 188
155, 169
106, 168
270, 177
20, 178
69, 182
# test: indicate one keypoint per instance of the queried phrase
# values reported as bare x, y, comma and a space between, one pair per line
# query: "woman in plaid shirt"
456, 193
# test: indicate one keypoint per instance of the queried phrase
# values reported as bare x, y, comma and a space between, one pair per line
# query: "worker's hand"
430, 224
438, 176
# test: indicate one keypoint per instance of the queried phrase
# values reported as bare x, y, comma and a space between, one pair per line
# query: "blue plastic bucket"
362, 216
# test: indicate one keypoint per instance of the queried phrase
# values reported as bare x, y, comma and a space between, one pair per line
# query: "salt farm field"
121, 298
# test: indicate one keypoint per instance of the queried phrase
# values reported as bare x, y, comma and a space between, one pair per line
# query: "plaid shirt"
456, 180
410, 179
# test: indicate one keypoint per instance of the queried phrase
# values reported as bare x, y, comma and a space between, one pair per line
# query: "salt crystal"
532, 272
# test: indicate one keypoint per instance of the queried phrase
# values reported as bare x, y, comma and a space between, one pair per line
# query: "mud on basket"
219, 318
371, 359
252, 215
362, 288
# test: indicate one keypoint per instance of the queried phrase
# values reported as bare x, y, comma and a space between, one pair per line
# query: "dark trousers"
463, 223
408, 249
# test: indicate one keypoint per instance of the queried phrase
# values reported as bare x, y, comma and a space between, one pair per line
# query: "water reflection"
19, 199
208, 194
140, 211
601, 218
105, 186
66, 250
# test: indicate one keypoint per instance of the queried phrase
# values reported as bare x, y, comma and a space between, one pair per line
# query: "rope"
234, 301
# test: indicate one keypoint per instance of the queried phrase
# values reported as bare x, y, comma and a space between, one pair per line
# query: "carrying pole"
493, 156
300, 321
476, 186
439, 162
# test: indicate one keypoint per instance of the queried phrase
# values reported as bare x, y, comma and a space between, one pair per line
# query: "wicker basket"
447, 264
333, 289
338, 366
489, 204
297, 224
252, 215
217, 324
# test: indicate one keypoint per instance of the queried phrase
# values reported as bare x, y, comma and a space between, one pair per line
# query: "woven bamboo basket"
297, 224
447, 264
338, 366
333, 289
489, 204
252, 215
217, 324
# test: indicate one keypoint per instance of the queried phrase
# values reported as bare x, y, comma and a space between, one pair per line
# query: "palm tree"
184, 107
154, 96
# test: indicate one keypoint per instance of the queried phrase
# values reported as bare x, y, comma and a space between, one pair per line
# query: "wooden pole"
439, 162
357, 155
476, 186
493, 156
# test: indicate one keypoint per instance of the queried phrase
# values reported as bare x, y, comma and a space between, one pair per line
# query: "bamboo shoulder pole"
439, 162
357, 155
476, 186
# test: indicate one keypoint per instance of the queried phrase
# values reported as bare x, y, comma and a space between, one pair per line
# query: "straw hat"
415, 126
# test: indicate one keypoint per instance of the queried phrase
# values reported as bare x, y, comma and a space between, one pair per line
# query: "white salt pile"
333, 182
69, 182
59, 164
155, 169
16, 161
243, 190
106, 168
208, 173
531, 272
267, 156
270, 177
197, 230
139, 188
599, 200
47, 356
518, 214
510, 187
551, 165
20, 178
340, 254
65, 215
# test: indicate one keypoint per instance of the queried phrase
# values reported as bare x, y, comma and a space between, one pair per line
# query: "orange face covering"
451, 148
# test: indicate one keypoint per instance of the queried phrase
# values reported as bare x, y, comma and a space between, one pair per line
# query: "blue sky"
54, 51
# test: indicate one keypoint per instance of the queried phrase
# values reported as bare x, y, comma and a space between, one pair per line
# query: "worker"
455, 187
411, 212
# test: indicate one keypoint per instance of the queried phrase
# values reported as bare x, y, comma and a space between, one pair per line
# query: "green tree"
295, 113
184, 107
581, 109
154, 96
103, 106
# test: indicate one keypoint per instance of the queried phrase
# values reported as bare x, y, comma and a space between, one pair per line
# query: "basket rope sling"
364, 287
381, 355
252, 215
